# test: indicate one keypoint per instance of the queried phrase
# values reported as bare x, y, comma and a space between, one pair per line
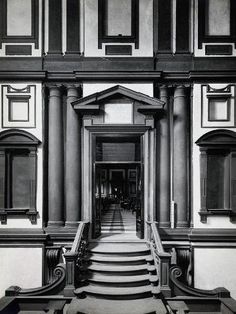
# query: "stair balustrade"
75, 256
161, 258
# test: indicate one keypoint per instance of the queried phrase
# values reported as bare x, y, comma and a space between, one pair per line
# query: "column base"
182, 224
71, 224
55, 224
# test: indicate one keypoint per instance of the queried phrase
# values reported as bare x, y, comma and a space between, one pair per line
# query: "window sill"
30, 213
217, 212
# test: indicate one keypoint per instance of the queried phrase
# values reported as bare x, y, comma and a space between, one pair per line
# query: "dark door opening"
118, 181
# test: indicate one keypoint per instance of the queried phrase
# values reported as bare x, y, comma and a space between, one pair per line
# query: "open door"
97, 201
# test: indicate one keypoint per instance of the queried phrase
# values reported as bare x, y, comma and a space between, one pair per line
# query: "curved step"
118, 292
121, 269
135, 280
120, 248
120, 259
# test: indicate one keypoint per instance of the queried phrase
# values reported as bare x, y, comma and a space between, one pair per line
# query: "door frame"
89, 134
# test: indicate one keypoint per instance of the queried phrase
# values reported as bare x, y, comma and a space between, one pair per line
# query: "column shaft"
164, 163
55, 158
72, 186
180, 155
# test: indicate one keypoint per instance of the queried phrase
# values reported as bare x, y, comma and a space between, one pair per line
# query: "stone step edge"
123, 279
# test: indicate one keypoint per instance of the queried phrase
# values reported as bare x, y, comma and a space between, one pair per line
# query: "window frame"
16, 142
102, 23
222, 143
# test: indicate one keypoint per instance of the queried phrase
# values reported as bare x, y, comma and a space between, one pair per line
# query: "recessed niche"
218, 109
18, 106
218, 106
18, 110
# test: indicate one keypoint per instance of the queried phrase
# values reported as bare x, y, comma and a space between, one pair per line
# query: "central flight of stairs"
120, 271
119, 275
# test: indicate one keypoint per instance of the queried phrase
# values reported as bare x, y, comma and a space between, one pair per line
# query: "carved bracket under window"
30, 213
217, 212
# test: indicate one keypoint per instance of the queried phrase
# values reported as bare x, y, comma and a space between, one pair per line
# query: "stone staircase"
119, 276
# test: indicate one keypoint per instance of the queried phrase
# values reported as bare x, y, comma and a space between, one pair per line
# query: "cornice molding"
22, 75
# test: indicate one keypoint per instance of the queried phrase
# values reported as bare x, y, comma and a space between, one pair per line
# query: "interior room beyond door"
118, 186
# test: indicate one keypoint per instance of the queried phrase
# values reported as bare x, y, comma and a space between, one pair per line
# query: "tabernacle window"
118, 16
218, 174
216, 23
218, 18
19, 26
218, 180
19, 18
118, 21
18, 165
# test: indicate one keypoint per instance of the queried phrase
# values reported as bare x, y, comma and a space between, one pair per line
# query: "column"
180, 156
72, 182
164, 163
55, 158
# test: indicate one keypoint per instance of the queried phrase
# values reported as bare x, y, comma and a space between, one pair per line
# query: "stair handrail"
79, 235
74, 256
161, 258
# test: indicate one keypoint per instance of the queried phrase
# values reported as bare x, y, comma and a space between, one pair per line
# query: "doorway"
118, 195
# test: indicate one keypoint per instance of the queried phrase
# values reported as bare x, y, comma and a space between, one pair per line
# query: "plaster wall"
20, 267
197, 132
145, 30
215, 268
24, 222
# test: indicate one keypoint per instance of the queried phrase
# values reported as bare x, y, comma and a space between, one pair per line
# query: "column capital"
180, 91
54, 90
164, 93
73, 90
72, 85
51, 86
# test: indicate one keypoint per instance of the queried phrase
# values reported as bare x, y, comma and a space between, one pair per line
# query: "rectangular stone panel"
18, 50
118, 50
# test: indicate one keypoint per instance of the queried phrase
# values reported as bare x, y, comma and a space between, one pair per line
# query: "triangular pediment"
116, 92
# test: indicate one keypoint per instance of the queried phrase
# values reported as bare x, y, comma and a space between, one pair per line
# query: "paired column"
57, 205
55, 158
180, 156
164, 162
72, 179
